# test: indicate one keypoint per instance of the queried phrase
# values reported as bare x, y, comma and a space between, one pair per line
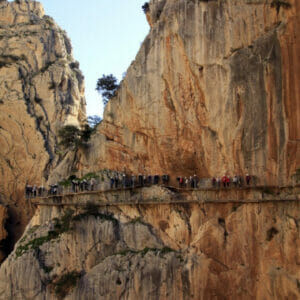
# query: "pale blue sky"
106, 36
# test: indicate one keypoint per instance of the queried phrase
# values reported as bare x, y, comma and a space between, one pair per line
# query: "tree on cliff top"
71, 137
146, 7
107, 86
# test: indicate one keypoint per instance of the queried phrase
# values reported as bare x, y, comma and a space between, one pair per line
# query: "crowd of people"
185, 182
121, 180
78, 185
116, 181
216, 182
34, 191
226, 181
130, 181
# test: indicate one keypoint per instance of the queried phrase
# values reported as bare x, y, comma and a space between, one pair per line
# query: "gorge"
214, 89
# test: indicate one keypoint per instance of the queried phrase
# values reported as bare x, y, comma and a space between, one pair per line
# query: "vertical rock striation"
163, 251
41, 89
213, 89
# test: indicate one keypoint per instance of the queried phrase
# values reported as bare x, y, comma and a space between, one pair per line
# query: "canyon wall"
164, 251
214, 89
41, 89
3, 232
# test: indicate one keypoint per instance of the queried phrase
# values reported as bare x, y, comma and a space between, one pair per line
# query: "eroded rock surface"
163, 251
41, 89
213, 89
3, 232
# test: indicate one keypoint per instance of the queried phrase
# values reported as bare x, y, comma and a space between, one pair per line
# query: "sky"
106, 36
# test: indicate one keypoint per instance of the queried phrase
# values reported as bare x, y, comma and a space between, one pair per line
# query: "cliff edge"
158, 251
41, 89
213, 90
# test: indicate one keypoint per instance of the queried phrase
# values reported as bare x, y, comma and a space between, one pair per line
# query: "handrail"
208, 195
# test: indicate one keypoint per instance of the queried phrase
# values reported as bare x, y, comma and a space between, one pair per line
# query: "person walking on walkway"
124, 180
140, 180
218, 182
248, 178
224, 181
92, 183
112, 181
149, 179
116, 181
192, 182
28, 190
34, 190
195, 181
186, 182
235, 180
228, 181
180, 181
213, 182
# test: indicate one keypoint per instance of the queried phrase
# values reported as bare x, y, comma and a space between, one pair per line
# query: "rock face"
213, 89
3, 233
41, 89
191, 251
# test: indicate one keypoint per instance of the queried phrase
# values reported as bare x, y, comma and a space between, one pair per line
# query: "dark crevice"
26, 81
222, 223
7, 245
271, 233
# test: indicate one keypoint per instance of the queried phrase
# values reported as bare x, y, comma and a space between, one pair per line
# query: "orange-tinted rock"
41, 89
213, 89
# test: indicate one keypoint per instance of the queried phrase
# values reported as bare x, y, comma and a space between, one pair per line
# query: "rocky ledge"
158, 251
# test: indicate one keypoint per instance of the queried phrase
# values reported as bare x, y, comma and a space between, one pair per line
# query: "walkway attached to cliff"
171, 195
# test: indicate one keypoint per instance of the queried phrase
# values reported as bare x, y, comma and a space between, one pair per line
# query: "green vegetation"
92, 210
107, 86
143, 252
146, 7
66, 283
33, 244
88, 176
60, 226
65, 182
166, 250
136, 220
71, 137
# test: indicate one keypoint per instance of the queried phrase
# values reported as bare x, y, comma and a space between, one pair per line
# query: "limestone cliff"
3, 233
213, 89
41, 89
163, 251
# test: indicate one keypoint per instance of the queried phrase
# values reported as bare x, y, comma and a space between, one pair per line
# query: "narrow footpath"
172, 195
